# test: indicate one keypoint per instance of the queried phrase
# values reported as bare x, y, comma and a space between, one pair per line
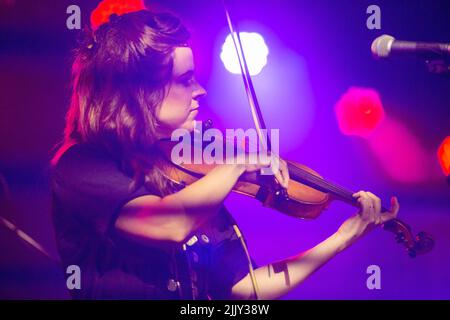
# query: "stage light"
444, 156
400, 153
359, 111
255, 50
105, 8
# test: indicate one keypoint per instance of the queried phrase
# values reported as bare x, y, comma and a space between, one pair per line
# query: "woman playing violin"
133, 233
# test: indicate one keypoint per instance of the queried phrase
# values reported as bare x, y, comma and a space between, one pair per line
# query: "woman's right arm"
174, 217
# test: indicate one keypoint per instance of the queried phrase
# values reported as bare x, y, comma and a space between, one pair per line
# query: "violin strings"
321, 182
300, 173
332, 187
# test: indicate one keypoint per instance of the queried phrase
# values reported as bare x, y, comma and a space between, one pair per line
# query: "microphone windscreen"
381, 46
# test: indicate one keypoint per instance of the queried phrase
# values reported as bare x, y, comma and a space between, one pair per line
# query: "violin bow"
258, 120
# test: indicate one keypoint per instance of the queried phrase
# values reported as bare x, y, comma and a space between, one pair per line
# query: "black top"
88, 192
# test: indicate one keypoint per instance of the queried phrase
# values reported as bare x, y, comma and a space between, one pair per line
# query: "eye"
188, 80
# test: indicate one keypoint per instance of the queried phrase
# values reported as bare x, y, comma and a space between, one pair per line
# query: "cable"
250, 266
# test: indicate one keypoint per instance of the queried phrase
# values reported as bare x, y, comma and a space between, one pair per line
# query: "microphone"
386, 45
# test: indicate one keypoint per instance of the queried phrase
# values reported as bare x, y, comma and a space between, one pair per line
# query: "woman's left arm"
276, 279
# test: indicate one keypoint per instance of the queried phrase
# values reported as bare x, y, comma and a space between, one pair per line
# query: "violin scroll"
415, 245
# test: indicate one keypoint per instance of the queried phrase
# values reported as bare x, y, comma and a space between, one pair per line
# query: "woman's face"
179, 107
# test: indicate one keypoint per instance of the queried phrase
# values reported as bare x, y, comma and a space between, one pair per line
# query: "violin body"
302, 201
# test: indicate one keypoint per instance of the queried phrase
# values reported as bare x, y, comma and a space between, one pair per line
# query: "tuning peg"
424, 242
207, 124
400, 237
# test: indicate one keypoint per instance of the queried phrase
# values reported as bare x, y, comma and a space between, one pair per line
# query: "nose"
199, 92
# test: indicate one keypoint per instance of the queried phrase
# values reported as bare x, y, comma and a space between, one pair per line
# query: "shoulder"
84, 161
90, 169
81, 154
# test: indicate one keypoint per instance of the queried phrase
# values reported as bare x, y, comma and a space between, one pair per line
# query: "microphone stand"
5, 203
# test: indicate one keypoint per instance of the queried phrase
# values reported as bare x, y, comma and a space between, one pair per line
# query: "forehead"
183, 60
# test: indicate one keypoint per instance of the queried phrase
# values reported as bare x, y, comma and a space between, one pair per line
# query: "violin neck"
318, 183
323, 185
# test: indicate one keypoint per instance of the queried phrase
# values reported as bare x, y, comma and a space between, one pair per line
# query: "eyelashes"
187, 82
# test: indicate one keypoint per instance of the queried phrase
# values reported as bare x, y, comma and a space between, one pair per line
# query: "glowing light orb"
255, 51
444, 156
359, 111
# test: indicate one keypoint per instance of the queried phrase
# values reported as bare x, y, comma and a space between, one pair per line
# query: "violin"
307, 196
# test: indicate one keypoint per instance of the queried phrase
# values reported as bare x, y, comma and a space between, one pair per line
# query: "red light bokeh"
444, 155
359, 111
101, 13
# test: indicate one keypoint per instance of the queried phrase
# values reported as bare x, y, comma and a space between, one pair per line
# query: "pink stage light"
359, 111
400, 153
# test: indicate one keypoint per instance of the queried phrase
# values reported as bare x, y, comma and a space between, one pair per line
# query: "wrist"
239, 168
